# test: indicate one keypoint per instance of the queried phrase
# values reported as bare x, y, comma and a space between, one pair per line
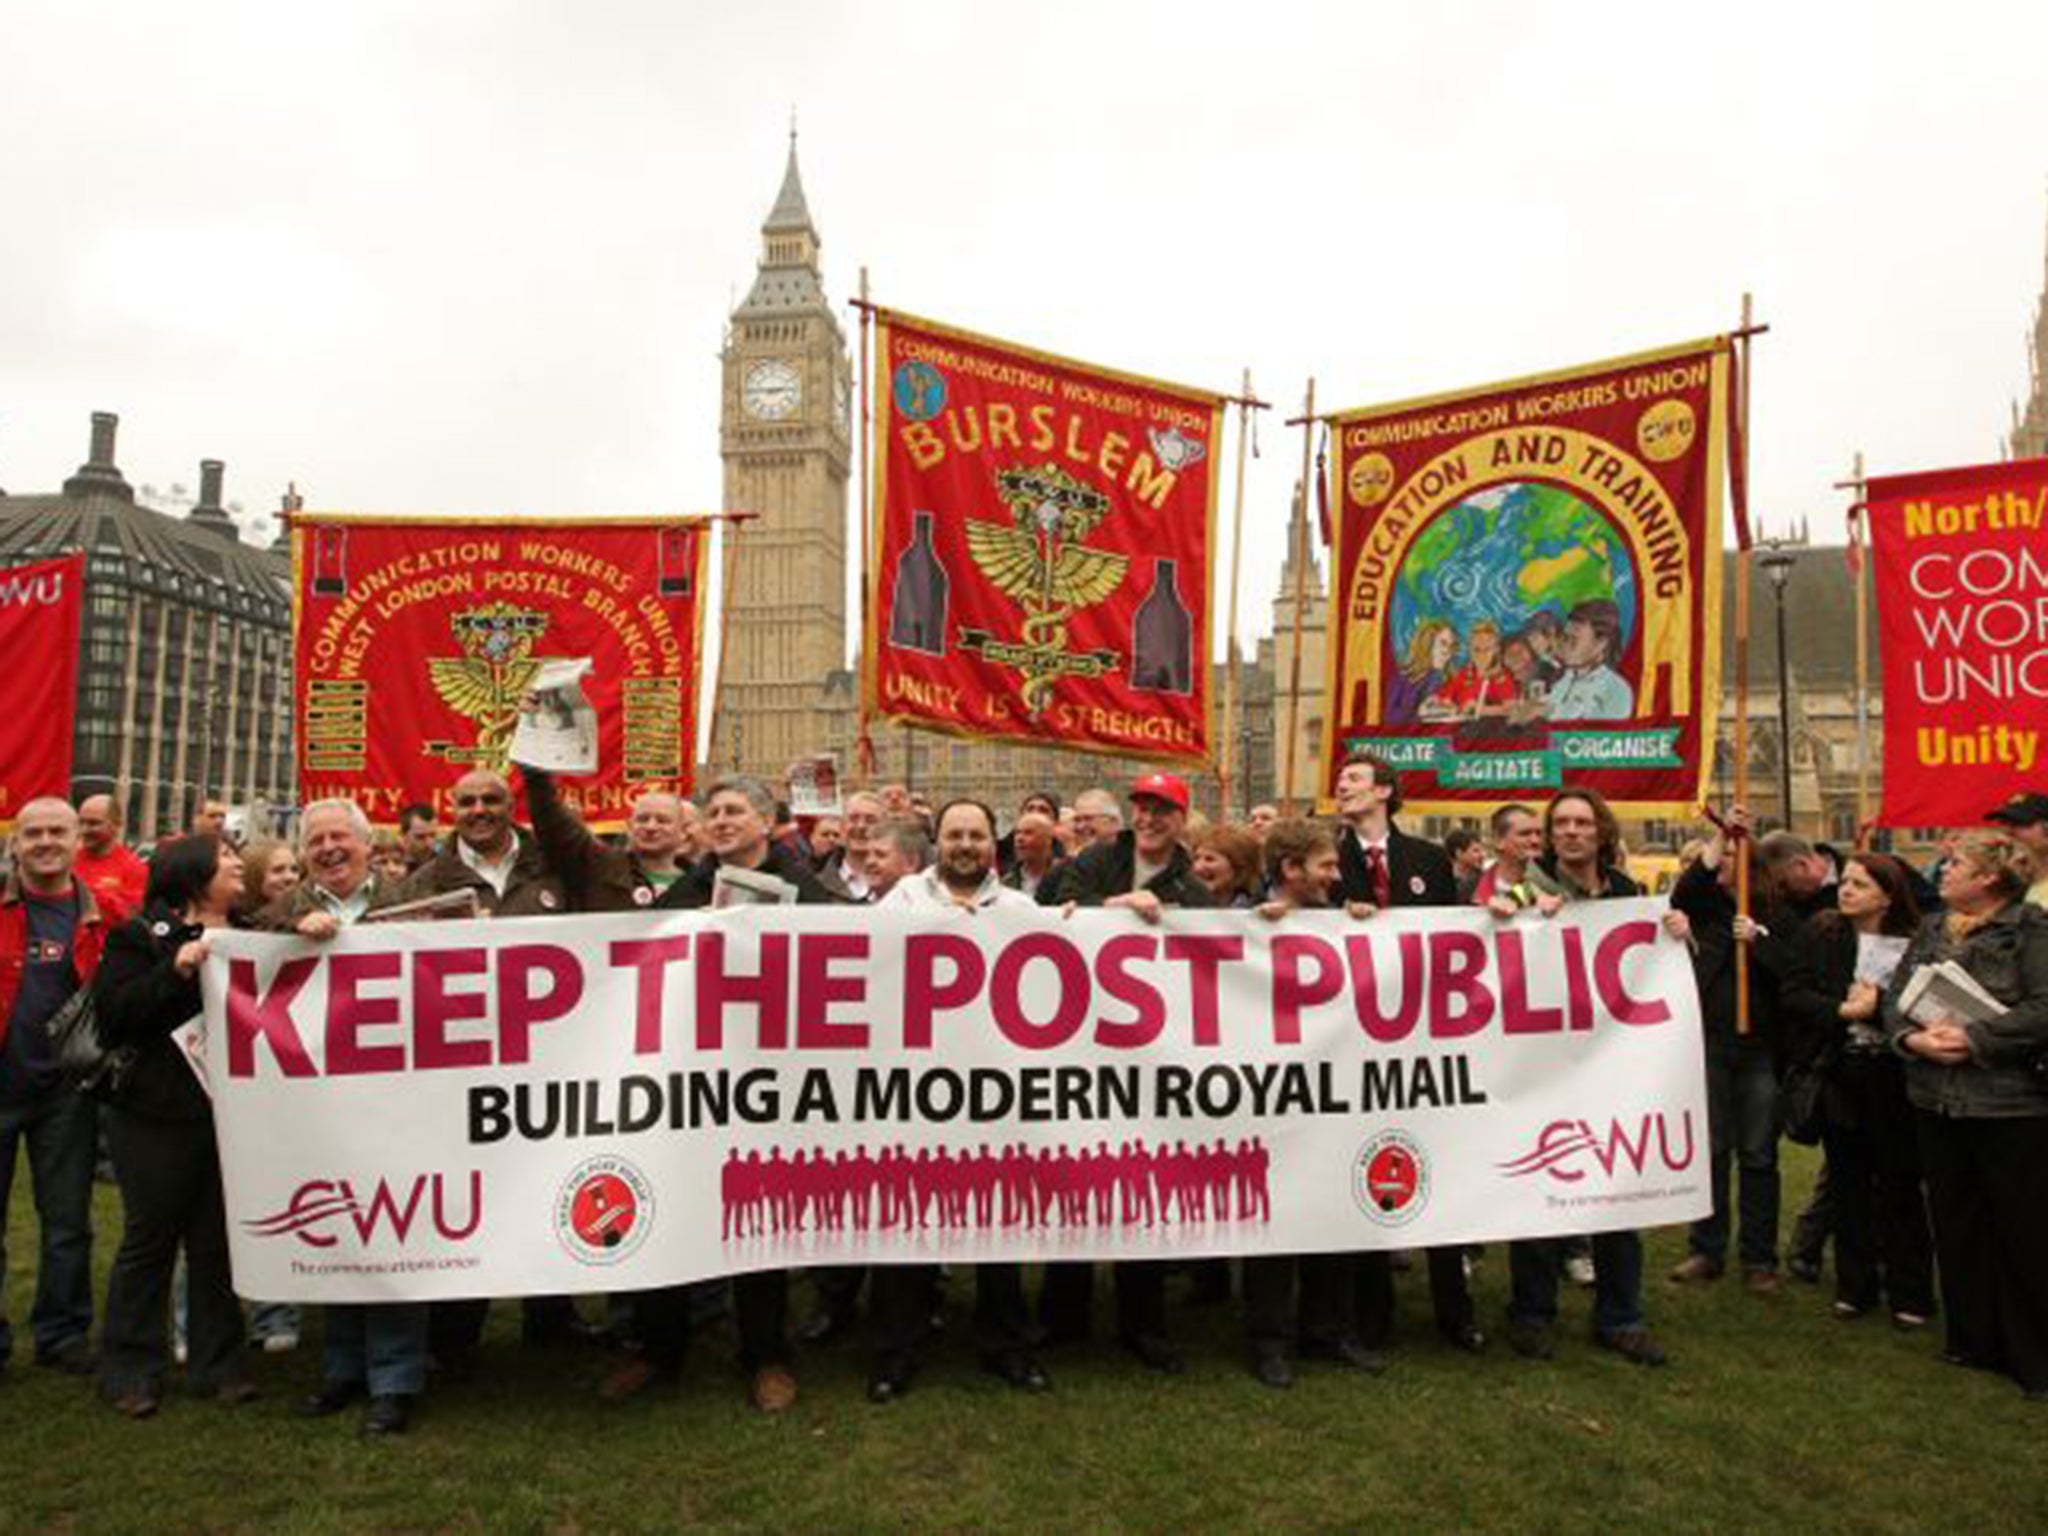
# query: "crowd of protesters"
1935, 1129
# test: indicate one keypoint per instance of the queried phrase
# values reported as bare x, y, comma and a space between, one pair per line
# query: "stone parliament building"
185, 675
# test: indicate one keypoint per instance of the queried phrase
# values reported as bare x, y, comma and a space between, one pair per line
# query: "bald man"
645, 874
109, 867
488, 854
51, 937
504, 865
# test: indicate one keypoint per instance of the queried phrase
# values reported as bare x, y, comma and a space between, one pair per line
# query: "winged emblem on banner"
487, 681
1038, 560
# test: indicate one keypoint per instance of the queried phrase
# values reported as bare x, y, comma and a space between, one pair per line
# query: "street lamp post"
1777, 562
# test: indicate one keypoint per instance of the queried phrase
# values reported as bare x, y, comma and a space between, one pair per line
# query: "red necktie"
1376, 872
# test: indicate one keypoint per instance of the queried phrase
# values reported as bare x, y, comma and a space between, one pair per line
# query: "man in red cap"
1143, 869
2027, 818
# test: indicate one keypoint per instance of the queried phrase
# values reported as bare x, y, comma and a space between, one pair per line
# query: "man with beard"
1143, 870
963, 880
739, 818
379, 1350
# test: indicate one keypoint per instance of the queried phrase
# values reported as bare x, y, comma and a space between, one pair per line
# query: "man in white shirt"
963, 880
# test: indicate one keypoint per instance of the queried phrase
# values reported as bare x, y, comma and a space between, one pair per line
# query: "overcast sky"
464, 257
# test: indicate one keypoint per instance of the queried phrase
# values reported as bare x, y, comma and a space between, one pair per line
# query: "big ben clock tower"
785, 434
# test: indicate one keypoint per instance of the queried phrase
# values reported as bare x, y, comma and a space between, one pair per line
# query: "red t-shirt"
116, 878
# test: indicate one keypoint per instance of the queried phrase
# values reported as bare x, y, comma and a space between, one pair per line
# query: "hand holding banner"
607, 1103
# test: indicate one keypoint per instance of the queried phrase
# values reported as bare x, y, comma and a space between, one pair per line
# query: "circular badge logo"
604, 1211
919, 391
1390, 1178
1665, 430
1370, 480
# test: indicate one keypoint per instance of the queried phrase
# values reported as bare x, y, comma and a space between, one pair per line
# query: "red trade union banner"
1962, 605
1526, 588
416, 639
1040, 547
40, 606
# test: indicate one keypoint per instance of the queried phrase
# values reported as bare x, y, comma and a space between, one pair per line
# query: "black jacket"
1090, 878
138, 999
696, 885
593, 876
1711, 910
1419, 873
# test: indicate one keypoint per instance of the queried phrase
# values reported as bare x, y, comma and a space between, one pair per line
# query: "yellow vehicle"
1657, 872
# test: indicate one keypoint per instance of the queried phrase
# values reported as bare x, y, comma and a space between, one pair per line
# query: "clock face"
773, 390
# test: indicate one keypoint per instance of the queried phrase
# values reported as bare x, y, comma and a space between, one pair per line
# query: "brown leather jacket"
533, 890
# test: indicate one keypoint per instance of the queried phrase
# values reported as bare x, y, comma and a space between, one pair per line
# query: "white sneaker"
282, 1343
1579, 1270
178, 1351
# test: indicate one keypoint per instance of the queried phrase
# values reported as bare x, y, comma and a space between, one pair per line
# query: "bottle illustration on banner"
677, 552
1163, 637
330, 567
917, 614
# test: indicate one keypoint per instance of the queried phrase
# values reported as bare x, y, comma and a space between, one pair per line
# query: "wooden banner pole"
864, 741
1232, 768
1742, 844
1308, 442
1859, 527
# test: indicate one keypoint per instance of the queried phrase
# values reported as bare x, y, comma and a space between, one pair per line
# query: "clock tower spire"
785, 437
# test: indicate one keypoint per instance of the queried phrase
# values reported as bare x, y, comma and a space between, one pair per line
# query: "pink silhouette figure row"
1133, 1185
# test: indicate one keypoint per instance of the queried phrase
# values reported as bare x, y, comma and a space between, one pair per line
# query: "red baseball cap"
1170, 787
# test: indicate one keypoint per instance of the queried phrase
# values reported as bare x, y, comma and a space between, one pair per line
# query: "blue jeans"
1742, 1114
383, 1347
1534, 1265
61, 1131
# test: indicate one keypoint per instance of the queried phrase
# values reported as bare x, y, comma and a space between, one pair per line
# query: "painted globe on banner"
1508, 554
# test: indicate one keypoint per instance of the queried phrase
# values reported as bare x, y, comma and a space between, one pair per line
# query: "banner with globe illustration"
1527, 585
1039, 555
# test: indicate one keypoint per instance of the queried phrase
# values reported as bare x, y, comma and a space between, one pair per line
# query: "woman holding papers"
1832, 997
160, 1130
1968, 1009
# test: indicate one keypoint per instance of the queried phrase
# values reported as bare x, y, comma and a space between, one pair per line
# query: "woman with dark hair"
1830, 1004
160, 1130
1982, 1104
1227, 860
1742, 1068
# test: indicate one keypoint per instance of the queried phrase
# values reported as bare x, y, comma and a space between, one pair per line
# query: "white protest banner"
548, 1105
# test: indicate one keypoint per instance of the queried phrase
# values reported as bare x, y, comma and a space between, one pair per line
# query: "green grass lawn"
1771, 1417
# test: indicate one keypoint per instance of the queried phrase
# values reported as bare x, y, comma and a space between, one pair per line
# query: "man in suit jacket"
1383, 866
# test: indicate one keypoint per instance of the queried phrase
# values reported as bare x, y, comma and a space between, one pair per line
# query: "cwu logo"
321, 1212
1570, 1150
